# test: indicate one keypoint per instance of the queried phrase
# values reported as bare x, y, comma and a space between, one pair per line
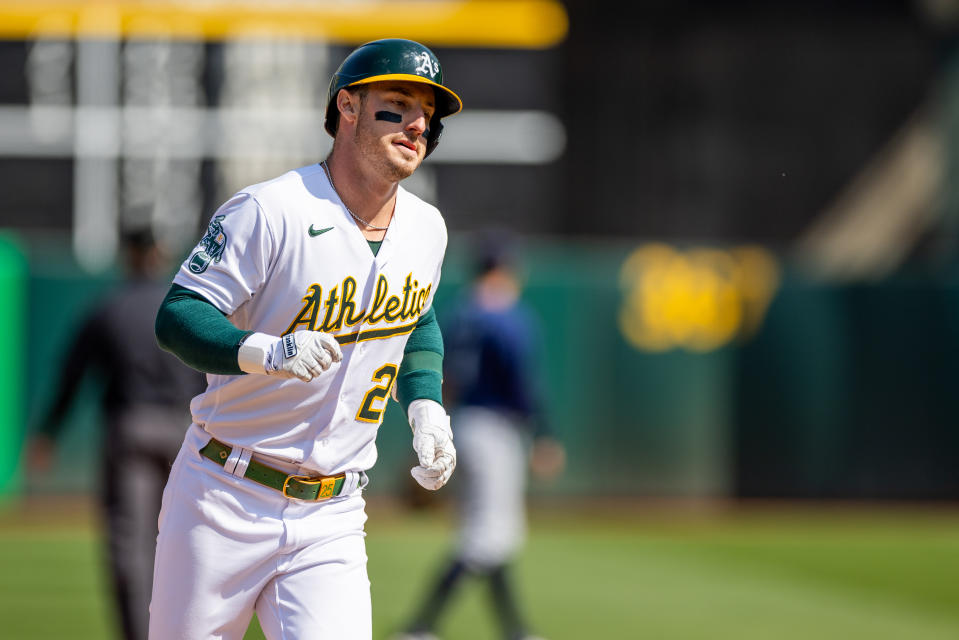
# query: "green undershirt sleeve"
195, 331
421, 372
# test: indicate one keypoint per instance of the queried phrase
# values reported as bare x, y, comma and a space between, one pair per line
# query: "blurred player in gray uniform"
490, 379
145, 405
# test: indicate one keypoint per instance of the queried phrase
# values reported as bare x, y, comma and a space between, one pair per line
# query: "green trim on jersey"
374, 334
375, 246
195, 331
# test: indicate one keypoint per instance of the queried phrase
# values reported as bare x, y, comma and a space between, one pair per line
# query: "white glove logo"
304, 355
289, 345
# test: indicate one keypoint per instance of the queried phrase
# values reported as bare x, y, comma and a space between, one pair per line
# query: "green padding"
422, 360
13, 305
422, 384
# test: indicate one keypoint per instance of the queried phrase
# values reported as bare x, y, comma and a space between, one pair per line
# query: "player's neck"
368, 196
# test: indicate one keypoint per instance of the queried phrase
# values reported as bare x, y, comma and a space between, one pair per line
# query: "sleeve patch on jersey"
211, 246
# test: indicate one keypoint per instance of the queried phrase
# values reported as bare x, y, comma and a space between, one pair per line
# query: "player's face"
391, 124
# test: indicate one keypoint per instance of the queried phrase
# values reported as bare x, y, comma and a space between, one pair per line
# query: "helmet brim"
448, 102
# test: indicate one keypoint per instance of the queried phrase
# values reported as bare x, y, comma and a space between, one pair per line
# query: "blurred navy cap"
495, 249
139, 238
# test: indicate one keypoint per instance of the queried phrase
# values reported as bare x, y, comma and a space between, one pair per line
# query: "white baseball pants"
228, 547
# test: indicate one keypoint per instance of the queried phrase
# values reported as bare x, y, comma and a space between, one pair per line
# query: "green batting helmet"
394, 59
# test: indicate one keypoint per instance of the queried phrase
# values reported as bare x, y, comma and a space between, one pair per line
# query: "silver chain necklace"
329, 176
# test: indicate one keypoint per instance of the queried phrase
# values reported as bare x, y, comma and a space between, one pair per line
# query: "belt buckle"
327, 485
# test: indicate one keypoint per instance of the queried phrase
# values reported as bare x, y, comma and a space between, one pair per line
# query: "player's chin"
406, 160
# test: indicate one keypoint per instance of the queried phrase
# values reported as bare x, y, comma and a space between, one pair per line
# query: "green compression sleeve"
421, 372
195, 331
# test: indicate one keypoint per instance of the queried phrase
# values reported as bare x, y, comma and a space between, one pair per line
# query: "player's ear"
348, 105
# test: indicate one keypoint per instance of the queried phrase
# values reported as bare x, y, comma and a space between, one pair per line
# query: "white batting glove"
302, 354
433, 444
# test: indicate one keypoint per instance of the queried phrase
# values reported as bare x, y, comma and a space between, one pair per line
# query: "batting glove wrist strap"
255, 352
423, 411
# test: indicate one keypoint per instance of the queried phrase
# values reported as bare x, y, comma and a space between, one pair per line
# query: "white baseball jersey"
285, 255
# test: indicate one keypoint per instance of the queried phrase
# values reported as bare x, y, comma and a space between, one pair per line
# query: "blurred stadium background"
741, 229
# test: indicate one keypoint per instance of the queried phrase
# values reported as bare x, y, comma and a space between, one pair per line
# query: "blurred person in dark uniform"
145, 407
490, 371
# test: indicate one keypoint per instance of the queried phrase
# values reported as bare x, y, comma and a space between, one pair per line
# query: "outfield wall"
675, 371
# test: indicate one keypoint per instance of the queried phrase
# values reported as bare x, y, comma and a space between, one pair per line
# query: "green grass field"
625, 570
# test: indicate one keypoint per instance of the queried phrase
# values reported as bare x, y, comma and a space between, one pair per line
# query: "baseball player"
307, 301
490, 378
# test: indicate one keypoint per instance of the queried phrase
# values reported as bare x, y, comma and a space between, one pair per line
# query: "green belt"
291, 486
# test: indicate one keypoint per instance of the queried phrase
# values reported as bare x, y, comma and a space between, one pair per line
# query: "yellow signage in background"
521, 24
698, 299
